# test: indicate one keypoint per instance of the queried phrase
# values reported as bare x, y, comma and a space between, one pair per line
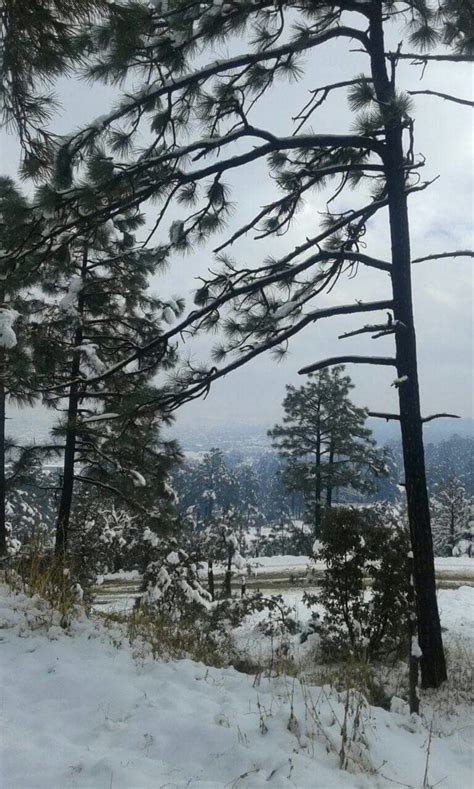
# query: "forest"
225, 210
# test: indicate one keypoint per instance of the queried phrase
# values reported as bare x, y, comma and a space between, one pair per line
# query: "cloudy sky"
441, 220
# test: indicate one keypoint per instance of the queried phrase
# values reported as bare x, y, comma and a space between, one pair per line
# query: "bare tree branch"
396, 417
445, 96
460, 253
440, 416
383, 328
379, 360
420, 59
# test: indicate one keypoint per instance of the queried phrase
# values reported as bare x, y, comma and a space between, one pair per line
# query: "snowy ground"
268, 565
81, 708
286, 575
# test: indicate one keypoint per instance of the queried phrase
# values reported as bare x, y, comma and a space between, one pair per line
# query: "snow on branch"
422, 59
381, 329
7, 334
111, 489
100, 417
379, 360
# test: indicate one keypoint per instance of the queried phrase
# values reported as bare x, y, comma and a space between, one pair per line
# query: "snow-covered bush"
450, 509
171, 583
464, 539
360, 548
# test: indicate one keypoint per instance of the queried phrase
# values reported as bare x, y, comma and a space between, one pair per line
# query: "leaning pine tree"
201, 118
325, 443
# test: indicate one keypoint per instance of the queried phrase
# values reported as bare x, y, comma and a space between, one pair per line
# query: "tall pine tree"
325, 443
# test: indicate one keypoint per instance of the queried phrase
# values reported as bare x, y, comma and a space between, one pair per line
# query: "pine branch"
86, 137
171, 401
111, 489
378, 360
440, 416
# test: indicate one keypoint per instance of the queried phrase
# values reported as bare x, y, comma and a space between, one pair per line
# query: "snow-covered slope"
79, 709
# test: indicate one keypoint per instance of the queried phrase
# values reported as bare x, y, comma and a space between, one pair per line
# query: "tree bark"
67, 489
432, 664
330, 478
317, 487
228, 577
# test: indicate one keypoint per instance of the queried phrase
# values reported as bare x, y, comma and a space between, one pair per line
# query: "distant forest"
232, 478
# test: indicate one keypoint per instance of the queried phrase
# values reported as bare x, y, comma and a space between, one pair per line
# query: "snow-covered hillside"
83, 708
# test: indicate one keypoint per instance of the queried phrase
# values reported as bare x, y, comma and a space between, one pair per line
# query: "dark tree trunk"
433, 666
412, 659
67, 489
317, 486
330, 478
228, 577
3, 525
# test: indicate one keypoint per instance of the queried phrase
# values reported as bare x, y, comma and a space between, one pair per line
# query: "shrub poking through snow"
363, 549
171, 583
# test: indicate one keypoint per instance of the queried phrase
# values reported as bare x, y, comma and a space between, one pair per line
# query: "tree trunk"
67, 489
64, 511
3, 525
412, 658
228, 577
330, 480
317, 487
433, 666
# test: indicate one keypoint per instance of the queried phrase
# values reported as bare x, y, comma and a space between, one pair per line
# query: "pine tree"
325, 442
98, 310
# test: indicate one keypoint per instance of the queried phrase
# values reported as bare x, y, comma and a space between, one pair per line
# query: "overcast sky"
441, 220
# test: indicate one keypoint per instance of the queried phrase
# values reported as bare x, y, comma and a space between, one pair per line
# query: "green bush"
364, 590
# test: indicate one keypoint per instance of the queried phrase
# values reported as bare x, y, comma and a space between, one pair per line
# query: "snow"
456, 609
100, 417
83, 708
415, 648
399, 381
168, 315
90, 352
69, 300
7, 335
122, 575
139, 480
